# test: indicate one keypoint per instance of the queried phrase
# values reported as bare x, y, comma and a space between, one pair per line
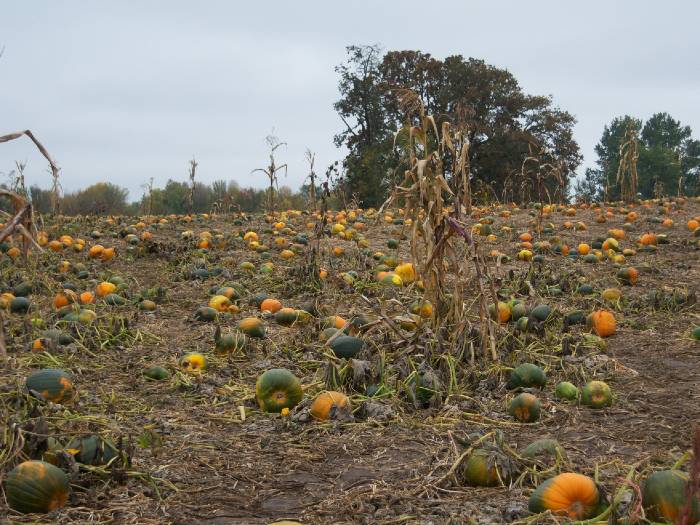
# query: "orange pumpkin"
648, 239
105, 288
693, 225
574, 496
602, 323
87, 298
325, 401
270, 305
107, 254
95, 251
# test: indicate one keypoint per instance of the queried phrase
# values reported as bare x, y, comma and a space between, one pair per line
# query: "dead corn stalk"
423, 193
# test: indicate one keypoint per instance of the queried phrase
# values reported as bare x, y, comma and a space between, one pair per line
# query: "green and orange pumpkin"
51, 384
36, 486
277, 389
664, 497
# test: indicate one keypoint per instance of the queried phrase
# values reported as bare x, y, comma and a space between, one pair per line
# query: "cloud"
124, 91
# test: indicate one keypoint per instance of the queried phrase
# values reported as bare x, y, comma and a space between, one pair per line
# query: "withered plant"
627, 169
271, 171
425, 195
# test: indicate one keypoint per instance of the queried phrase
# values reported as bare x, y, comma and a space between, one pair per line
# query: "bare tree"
271, 171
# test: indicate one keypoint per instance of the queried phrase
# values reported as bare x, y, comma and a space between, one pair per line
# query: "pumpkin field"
513, 364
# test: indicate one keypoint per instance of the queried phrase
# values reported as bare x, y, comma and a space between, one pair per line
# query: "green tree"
503, 123
367, 134
669, 158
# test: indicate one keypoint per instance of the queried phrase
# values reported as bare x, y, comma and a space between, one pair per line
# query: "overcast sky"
121, 91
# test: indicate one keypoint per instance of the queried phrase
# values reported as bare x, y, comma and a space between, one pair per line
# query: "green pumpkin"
93, 450
228, 343
23, 289
206, 314
576, 317
287, 316
277, 389
522, 324
58, 337
156, 373
518, 311
113, 299
664, 497
590, 258
696, 333
544, 449
346, 346
525, 408
566, 390
51, 384
527, 375
541, 312
19, 305
36, 487
596, 394
480, 469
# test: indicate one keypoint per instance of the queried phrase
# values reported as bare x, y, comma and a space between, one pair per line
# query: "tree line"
511, 135
105, 198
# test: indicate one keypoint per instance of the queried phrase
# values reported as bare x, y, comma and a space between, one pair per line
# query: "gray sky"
121, 91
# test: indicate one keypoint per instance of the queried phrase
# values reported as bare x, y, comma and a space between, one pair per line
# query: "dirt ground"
195, 460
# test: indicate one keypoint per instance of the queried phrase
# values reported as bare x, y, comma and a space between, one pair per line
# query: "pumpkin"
114, 299
602, 323
541, 312
333, 321
227, 343
571, 495
220, 303
105, 288
277, 389
93, 450
480, 469
502, 315
664, 497
206, 314
87, 298
36, 486
52, 384
541, 448
566, 390
648, 239
406, 272
696, 333
596, 394
527, 375
193, 363
19, 305
252, 327
525, 408
147, 305
323, 404
346, 346
628, 275
156, 373
291, 316
270, 305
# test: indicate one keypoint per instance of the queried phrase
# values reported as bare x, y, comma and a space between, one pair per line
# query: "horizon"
125, 92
